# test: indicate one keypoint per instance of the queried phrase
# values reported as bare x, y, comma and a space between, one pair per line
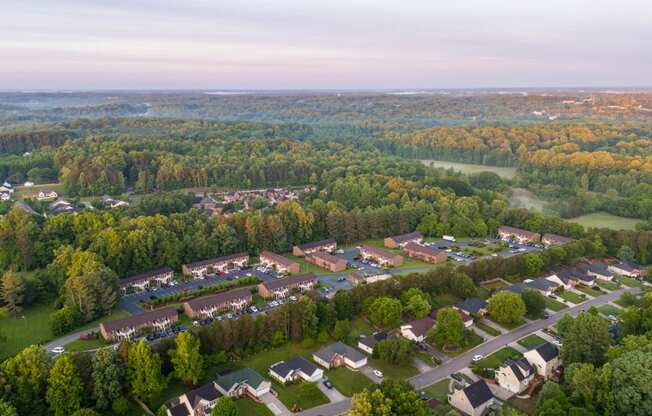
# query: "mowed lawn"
439, 390
531, 341
486, 328
554, 305
630, 282
607, 285
250, 408
397, 372
571, 296
610, 310
496, 359
349, 382
589, 290
31, 326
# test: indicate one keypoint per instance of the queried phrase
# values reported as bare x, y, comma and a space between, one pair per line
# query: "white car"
378, 373
557, 343
58, 350
254, 309
477, 358
293, 298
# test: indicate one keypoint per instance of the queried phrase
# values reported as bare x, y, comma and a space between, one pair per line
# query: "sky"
324, 44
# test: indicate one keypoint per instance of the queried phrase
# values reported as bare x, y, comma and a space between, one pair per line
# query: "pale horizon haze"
284, 44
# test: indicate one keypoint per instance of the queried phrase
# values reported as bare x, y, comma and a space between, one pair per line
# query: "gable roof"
472, 305
541, 284
328, 258
179, 410
246, 375
140, 319
379, 252
547, 351
426, 250
478, 393
557, 239
373, 339
131, 279
328, 352
315, 244
277, 258
518, 231
599, 268
415, 235
219, 299
217, 260
288, 281
521, 368
283, 368
206, 392
421, 326
628, 266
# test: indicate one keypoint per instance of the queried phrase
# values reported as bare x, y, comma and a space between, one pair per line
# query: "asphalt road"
464, 360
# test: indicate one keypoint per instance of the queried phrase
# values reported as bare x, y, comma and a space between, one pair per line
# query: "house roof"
373, 339
283, 368
421, 326
328, 352
207, 392
245, 376
277, 258
517, 231
478, 393
143, 276
426, 250
407, 237
290, 281
329, 258
315, 244
217, 260
22, 205
599, 268
179, 410
140, 319
541, 283
219, 298
547, 351
567, 275
378, 252
521, 368
472, 305
628, 266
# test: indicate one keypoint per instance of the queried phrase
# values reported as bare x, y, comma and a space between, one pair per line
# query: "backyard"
438, 390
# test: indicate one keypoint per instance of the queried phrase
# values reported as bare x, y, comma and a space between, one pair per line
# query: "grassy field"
571, 296
605, 220
348, 382
486, 328
21, 191
398, 372
610, 310
589, 290
470, 168
31, 326
630, 282
607, 285
251, 408
554, 305
360, 326
86, 345
524, 198
498, 358
531, 341
438, 390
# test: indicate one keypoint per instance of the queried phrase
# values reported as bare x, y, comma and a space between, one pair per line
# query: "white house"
600, 271
515, 376
628, 269
338, 355
366, 342
473, 400
5, 196
296, 369
544, 359
417, 330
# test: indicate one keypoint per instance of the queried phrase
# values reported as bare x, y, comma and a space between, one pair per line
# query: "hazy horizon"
287, 45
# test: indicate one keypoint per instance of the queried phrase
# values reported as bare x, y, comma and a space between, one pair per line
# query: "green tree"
120, 406
144, 371
386, 312
630, 377
535, 302
85, 412
187, 360
586, 340
449, 331
394, 350
341, 330
7, 409
403, 397
370, 404
13, 291
506, 307
108, 378
65, 389
534, 264
225, 406
626, 253
418, 305
26, 376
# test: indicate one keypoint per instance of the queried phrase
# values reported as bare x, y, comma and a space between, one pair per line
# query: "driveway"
444, 370
331, 409
333, 395
420, 365
369, 372
274, 405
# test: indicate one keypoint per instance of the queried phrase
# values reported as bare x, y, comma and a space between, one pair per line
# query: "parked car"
477, 358
293, 298
328, 384
58, 350
378, 373
341, 279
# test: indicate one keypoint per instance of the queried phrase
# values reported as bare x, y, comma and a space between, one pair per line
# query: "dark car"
328, 384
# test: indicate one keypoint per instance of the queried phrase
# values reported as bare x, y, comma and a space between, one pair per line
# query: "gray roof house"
339, 354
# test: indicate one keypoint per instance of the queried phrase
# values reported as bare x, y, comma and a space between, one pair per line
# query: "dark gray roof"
541, 284
143, 276
206, 392
288, 281
547, 351
421, 326
472, 305
217, 260
326, 353
478, 393
521, 368
600, 268
284, 368
219, 299
246, 375
407, 237
371, 340
628, 266
140, 319
179, 410
315, 244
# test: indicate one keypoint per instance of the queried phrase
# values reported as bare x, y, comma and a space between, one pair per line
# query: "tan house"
132, 326
327, 261
280, 263
508, 233
515, 376
200, 269
281, 288
210, 306
417, 330
328, 246
555, 240
380, 256
544, 359
473, 400
367, 276
146, 280
425, 253
398, 241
